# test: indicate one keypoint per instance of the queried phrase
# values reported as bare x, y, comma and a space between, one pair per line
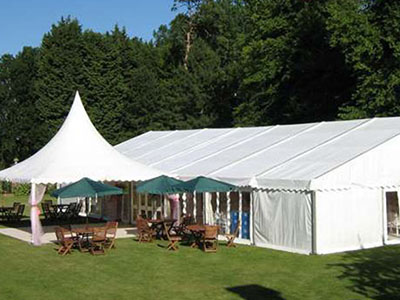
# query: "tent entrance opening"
392, 211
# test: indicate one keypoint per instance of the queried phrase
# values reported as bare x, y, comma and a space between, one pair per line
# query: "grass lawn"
8, 200
149, 271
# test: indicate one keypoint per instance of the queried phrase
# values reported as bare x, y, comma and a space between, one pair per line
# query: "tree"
291, 72
105, 72
367, 32
7, 144
18, 115
190, 8
60, 74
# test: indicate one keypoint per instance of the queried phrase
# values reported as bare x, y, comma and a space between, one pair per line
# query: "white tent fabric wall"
349, 220
283, 220
377, 168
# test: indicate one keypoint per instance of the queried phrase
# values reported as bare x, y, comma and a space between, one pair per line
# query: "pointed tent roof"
76, 151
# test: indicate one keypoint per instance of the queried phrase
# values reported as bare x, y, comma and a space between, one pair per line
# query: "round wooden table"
197, 233
158, 225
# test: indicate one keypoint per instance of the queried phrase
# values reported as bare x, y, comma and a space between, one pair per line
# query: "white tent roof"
289, 156
76, 151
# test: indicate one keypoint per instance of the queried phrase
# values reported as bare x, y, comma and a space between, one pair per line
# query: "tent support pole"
194, 206
161, 206
251, 230
139, 204
384, 216
122, 207
58, 198
165, 199
184, 199
217, 205
240, 213
99, 205
132, 204
146, 203
398, 208
205, 217
228, 211
313, 223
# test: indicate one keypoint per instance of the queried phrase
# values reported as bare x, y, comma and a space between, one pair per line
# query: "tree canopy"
219, 63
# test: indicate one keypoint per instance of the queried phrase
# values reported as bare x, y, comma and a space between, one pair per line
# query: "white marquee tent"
315, 188
76, 151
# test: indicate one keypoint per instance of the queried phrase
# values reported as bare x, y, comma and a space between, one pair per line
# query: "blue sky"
24, 22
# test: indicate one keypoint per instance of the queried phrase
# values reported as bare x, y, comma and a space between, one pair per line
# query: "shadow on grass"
25, 223
373, 273
255, 292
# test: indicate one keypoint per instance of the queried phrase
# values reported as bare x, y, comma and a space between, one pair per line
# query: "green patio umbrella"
159, 185
86, 188
203, 184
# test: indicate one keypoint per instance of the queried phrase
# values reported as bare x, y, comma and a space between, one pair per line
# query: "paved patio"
24, 233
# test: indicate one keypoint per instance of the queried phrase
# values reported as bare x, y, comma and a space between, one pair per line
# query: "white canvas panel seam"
318, 146
268, 129
196, 132
201, 145
168, 133
134, 139
249, 156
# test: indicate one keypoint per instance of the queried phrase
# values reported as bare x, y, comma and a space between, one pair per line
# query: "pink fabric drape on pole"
174, 203
36, 196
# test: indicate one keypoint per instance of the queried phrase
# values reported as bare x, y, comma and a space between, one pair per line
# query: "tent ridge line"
230, 146
337, 136
196, 132
147, 143
140, 135
282, 140
193, 148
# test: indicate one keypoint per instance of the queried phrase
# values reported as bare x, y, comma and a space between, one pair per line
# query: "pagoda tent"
76, 151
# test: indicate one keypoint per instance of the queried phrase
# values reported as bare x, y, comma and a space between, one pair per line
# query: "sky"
24, 22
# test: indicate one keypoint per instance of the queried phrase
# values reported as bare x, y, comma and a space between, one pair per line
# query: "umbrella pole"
87, 209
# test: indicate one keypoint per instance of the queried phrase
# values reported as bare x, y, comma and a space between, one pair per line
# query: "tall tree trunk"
188, 42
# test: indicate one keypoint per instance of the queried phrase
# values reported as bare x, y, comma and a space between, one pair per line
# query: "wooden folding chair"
64, 242
111, 234
98, 240
145, 232
231, 237
173, 239
210, 238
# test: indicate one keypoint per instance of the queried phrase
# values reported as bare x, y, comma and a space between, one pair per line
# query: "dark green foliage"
18, 114
219, 63
60, 74
369, 37
291, 73
22, 189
